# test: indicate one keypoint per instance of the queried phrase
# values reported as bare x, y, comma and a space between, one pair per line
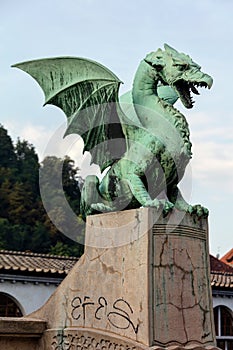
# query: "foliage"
7, 154
24, 223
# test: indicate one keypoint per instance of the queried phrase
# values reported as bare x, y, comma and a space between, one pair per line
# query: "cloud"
34, 134
72, 146
212, 161
48, 142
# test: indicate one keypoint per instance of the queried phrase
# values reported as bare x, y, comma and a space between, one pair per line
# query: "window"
8, 307
223, 327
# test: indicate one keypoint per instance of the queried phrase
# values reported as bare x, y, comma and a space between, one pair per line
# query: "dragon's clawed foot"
199, 210
101, 207
163, 204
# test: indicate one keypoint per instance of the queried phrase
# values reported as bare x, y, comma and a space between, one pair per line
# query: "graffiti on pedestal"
118, 314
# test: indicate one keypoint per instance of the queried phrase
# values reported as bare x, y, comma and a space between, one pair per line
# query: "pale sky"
119, 34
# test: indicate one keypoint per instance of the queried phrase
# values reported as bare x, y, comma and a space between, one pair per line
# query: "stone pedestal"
142, 282
20, 333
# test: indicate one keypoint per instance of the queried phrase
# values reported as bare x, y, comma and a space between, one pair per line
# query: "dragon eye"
181, 66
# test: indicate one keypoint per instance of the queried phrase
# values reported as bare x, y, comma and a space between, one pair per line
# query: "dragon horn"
170, 49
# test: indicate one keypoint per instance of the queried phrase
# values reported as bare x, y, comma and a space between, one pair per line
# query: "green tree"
24, 222
22, 208
27, 165
40, 239
5, 190
60, 249
66, 249
58, 176
71, 183
14, 237
4, 230
7, 154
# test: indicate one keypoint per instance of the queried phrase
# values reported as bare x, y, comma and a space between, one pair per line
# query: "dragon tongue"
194, 90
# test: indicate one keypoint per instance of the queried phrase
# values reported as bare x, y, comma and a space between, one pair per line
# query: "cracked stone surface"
181, 293
142, 277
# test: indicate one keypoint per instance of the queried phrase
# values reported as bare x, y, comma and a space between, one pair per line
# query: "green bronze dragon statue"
140, 140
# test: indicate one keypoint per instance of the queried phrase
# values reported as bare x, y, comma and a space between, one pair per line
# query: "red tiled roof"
219, 266
228, 258
221, 273
12, 261
32, 262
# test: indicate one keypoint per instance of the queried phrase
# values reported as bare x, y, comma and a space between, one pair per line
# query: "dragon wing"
87, 92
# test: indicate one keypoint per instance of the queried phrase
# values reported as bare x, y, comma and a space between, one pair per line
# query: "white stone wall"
29, 296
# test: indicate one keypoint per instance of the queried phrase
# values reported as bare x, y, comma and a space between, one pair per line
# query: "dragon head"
179, 72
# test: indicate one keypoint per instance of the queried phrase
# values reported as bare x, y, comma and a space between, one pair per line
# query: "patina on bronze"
146, 150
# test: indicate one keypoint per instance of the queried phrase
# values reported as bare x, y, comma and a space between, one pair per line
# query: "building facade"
222, 293
27, 280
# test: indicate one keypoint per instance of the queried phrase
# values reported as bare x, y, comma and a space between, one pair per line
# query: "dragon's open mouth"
184, 89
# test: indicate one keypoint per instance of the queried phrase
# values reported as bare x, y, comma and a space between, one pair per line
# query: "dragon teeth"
193, 89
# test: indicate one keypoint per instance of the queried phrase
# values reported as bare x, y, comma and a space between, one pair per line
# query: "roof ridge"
228, 256
41, 255
230, 274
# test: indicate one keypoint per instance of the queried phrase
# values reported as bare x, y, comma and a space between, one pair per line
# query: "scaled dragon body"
143, 143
